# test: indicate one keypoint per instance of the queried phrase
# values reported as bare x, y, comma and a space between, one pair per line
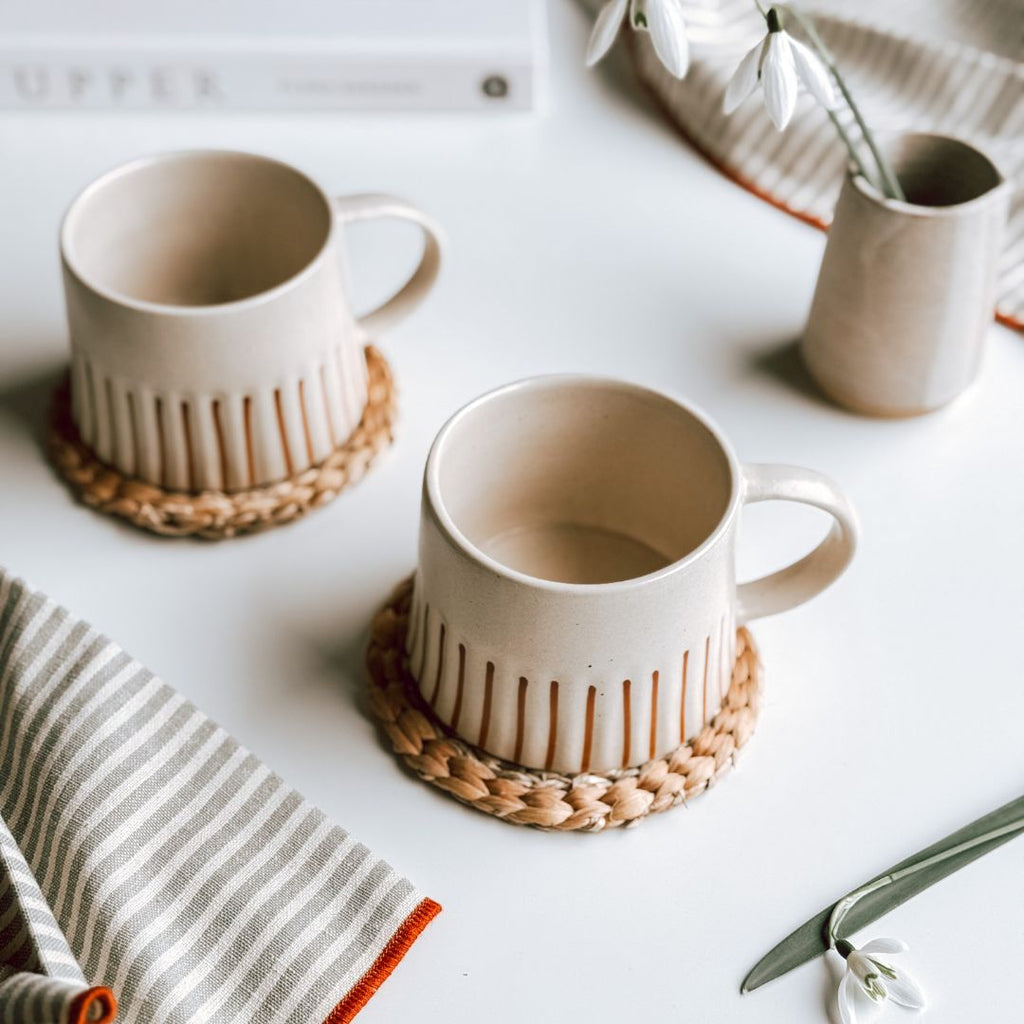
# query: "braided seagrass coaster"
214, 515
591, 802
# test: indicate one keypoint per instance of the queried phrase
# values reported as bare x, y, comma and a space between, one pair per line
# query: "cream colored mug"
212, 335
575, 603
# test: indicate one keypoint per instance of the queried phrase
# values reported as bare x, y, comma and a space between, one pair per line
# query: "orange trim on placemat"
398, 945
83, 1005
750, 186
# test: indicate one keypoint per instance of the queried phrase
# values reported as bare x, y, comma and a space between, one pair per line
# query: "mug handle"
370, 205
814, 572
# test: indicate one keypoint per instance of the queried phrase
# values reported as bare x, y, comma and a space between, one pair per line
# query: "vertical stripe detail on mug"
588, 732
723, 675
250, 451
190, 457
332, 433
457, 711
485, 715
682, 703
412, 636
344, 385
102, 441
199, 442
425, 640
113, 443
80, 397
222, 454
552, 725
90, 384
520, 717
440, 666
654, 713
135, 465
704, 708
283, 431
161, 435
149, 437
122, 445
627, 722
305, 422
424, 637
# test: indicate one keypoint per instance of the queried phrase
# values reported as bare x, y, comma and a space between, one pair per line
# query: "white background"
588, 239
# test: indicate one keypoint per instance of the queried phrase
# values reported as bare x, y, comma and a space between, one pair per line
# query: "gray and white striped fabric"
39, 976
142, 848
954, 67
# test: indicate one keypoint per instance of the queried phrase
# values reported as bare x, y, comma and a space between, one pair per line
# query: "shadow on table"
345, 662
27, 399
783, 365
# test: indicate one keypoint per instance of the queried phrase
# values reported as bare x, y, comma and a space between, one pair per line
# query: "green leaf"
809, 940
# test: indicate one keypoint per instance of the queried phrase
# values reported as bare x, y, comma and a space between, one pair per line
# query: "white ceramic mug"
213, 341
575, 602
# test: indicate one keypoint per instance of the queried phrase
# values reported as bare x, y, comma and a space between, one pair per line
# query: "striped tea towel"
145, 855
955, 67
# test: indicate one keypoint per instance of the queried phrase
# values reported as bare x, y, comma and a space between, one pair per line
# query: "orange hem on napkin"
83, 1005
398, 945
745, 183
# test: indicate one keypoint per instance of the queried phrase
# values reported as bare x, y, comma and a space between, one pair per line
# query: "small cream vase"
906, 290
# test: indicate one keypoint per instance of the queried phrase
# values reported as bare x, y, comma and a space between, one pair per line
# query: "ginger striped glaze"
213, 514
578, 802
197, 441
633, 719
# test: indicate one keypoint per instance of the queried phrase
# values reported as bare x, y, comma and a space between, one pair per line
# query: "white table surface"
587, 239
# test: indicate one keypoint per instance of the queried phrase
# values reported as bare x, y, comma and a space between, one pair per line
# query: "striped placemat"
955, 68
150, 866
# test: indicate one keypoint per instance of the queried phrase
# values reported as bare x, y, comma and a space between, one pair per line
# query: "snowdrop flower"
874, 977
662, 18
780, 64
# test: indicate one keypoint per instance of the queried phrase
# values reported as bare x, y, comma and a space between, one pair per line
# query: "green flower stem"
890, 186
854, 152
846, 904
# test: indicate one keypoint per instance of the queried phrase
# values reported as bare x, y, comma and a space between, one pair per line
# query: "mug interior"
196, 229
937, 171
580, 480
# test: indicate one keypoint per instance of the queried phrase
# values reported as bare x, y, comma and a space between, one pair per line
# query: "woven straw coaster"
524, 796
215, 515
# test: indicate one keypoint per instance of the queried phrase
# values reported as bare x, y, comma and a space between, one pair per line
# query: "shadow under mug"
213, 343
575, 604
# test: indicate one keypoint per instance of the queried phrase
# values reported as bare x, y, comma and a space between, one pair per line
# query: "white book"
273, 54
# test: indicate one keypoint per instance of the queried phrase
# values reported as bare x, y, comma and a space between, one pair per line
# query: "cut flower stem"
846, 904
886, 181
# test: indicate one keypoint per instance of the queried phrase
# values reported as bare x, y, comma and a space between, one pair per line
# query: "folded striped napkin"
955, 68
152, 868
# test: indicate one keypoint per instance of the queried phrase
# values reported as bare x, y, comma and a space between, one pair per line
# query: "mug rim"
435, 505
168, 308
